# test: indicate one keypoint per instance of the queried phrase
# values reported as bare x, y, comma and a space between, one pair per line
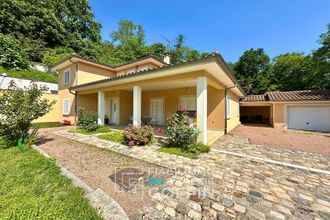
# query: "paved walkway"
223, 186
241, 145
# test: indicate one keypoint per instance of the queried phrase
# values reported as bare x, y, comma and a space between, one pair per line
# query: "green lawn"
32, 187
178, 151
99, 130
47, 124
30, 74
115, 136
191, 152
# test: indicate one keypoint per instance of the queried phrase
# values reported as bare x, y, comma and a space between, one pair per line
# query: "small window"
67, 76
188, 103
228, 106
66, 106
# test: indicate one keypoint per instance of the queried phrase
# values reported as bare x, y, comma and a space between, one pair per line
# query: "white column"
202, 108
136, 105
100, 108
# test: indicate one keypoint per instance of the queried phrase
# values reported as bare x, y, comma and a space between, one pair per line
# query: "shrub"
139, 136
178, 131
87, 120
18, 108
198, 148
12, 55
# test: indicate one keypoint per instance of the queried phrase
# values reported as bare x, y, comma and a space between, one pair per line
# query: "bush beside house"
138, 136
181, 137
18, 108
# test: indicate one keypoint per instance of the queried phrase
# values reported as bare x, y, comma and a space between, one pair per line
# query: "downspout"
234, 86
75, 93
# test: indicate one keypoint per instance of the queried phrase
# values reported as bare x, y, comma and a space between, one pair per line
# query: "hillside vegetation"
30, 74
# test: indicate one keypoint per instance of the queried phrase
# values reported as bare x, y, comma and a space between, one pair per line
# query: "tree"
49, 23
129, 40
293, 71
322, 59
252, 71
11, 53
19, 107
54, 55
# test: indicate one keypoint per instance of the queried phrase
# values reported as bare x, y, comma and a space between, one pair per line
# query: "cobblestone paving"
241, 145
221, 186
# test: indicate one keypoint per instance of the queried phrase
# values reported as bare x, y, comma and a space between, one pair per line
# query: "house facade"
148, 89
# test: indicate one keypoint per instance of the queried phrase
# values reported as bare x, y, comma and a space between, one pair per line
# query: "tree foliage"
49, 23
11, 53
19, 107
252, 71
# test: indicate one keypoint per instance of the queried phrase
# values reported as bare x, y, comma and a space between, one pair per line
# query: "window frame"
189, 97
65, 72
63, 110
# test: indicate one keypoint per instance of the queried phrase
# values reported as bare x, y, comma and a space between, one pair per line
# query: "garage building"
302, 110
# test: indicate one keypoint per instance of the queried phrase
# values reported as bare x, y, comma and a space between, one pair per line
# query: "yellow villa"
150, 88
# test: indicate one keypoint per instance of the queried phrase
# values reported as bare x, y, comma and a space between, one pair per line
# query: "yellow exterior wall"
87, 73
125, 106
234, 121
88, 102
278, 115
54, 114
170, 96
215, 109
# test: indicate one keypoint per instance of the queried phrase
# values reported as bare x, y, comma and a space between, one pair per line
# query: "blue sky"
230, 27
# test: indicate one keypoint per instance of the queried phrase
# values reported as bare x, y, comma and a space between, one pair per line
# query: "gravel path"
94, 166
311, 142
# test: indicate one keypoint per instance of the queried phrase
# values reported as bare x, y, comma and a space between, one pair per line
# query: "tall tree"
321, 56
129, 40
49, 23
293, 71
252, 71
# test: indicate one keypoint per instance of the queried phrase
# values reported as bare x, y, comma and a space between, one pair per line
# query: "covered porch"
205, 88
134, 104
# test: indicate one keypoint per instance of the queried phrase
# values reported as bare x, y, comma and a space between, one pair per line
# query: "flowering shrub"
178, 131
87, 120
139, 136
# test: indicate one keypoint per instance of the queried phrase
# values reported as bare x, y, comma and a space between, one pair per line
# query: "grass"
115, 136
178, 151
32, 187
82, 131
192, 152
30, 74
47, 124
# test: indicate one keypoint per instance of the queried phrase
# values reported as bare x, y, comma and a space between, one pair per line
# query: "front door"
157, 111
114, 112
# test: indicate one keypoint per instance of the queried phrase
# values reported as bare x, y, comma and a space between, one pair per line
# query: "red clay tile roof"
254, 98
290, 96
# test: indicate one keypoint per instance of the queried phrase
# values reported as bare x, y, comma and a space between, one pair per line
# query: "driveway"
312, 142
227, 183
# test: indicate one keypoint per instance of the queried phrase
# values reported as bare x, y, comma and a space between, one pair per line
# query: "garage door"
309, 118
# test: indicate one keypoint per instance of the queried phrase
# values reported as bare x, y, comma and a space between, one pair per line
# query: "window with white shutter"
66, 106
67, 76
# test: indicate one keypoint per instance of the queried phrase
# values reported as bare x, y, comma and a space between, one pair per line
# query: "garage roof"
290, 96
